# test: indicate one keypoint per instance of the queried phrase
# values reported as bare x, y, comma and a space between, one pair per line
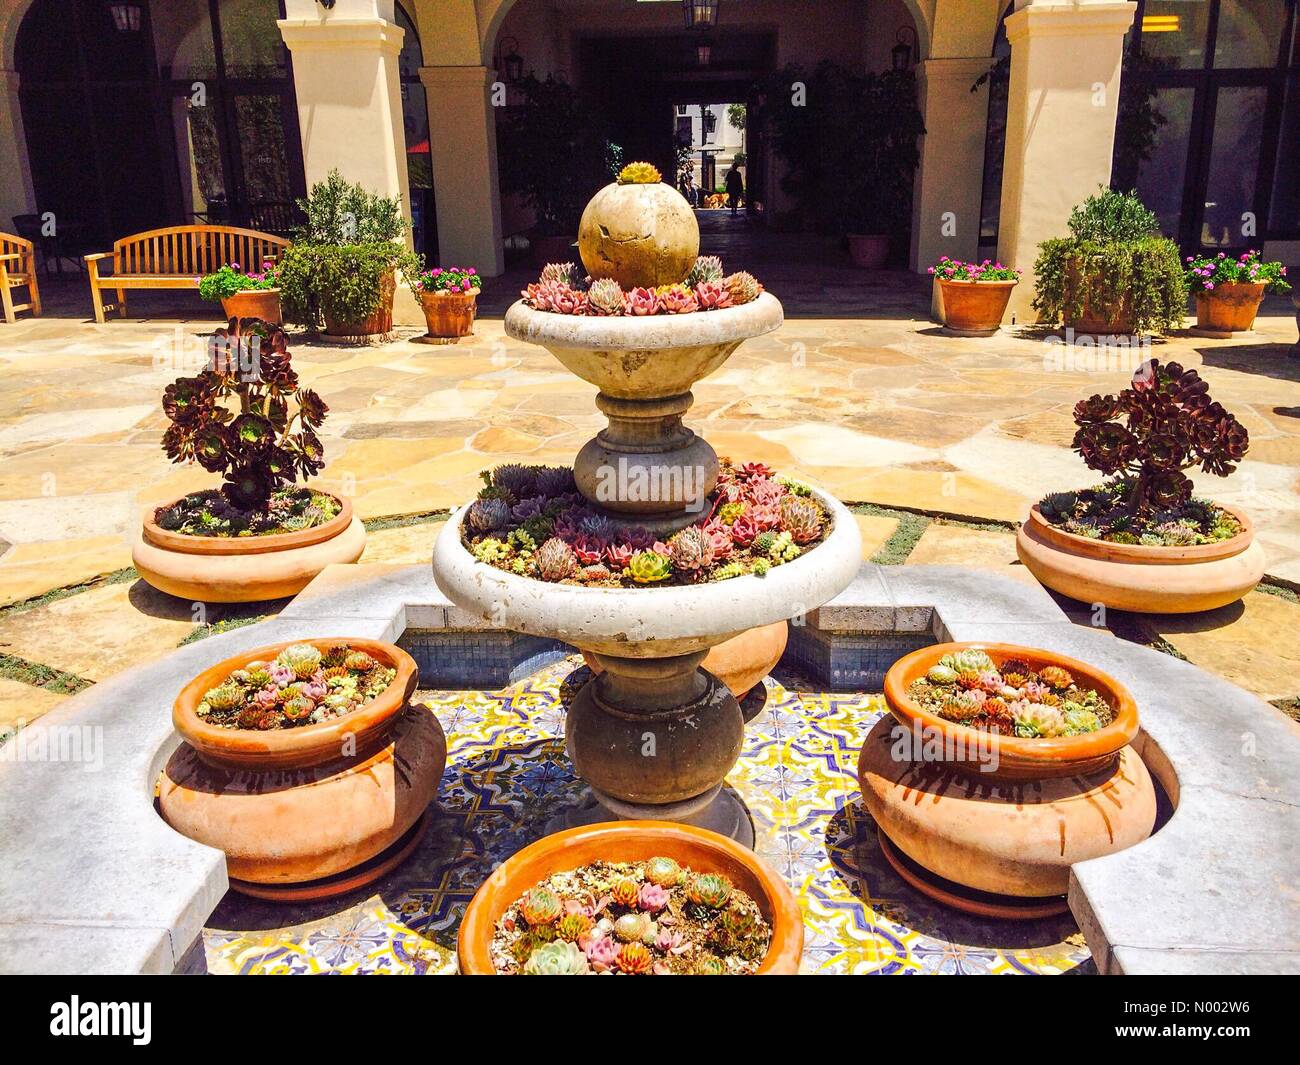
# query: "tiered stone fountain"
654, 735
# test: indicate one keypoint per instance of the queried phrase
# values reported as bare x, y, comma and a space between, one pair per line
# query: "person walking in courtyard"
735, 188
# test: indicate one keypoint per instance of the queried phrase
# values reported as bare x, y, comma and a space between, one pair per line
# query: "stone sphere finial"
639, 231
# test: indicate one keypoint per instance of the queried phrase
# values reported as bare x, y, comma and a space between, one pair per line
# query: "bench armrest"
97, 256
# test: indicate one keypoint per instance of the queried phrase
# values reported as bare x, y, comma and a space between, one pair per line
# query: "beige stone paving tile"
32, 569
1250, 643
835, 445
99, 633
953, 545
21, 704
405, 545
875, 530
963, 494
501, 440
81, 467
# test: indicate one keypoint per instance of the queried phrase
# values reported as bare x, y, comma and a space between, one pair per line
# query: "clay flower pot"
379, 322
627, 841
1115, 319
243, 569
449, 314
639, 234
974, 308
1154, 580
263, 303
868, 251
1228, 308
298, 811
1016, 829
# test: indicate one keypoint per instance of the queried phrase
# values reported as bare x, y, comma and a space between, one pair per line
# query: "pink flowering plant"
232, 279
1205, 273
955, 270
453, 280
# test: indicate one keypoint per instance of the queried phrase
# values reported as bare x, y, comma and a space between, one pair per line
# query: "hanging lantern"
126, 17
700, 14
509, 61
901, 53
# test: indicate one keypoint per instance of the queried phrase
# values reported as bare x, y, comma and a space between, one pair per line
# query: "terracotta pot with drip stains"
974, 308
1229, 308
1003, 815
379, 321
263, 303
629, 841
449, 314
306, 812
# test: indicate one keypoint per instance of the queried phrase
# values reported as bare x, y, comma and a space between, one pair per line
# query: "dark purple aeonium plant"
1161, 425
246, 417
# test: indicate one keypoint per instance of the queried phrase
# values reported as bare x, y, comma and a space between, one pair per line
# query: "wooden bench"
17, 268
176, 258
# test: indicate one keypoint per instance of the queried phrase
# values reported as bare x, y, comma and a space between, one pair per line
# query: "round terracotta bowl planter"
1229, 308
380, 320
294, 807
740, 662
868, 251
244, 569
629, 841
974, 308
1015, 830
263, 303
1153, 580
449, 314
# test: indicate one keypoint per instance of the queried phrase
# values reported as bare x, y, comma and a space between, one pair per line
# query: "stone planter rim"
187, 544
307, 745
631, 332
1020, 757
697, 847
1106, 551
635, 622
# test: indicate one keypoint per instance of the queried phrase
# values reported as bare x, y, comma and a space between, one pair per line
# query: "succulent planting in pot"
974, 296
1141, 540
999, 768
636, 898
449, 298
1229, 291
304, 763
261, 535
244, 294
1114, 274
341, 271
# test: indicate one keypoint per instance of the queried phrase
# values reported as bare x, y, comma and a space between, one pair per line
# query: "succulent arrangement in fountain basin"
300, 686
653, 917
705, 288
248, 418
531, 521
1144, 438
1010, 697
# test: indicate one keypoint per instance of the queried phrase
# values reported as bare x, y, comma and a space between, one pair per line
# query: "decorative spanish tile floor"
507, 776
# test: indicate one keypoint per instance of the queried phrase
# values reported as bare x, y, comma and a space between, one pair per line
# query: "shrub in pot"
449, 298
260, 536
1229, 291
1141, 540
341, 271
1114, 274
974, 296
243, 294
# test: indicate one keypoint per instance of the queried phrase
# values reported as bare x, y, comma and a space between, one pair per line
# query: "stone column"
1063, 97
349, 95
463, 154
949, 181
16, 193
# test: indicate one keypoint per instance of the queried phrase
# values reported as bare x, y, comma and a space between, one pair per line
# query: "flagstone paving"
857, 392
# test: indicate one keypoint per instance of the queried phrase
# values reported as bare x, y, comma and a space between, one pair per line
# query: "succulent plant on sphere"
1162, 424
706, 268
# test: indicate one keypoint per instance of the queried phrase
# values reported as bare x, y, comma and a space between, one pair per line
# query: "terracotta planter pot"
627, 841
243, 569
1155, 580
298, 806
449, 314
974, 308
1017, 829
543, 250
263, 303
1105, 320
740, 662
868, 251
1229, 308
380, 320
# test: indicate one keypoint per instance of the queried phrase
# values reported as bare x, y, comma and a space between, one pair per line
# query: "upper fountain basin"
645, 357
649, 622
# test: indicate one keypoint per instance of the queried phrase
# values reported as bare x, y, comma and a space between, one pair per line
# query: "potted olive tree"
1114, 273
341, 271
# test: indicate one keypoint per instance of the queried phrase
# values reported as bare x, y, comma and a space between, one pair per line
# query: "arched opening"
170, 113
415, 119
998, 78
